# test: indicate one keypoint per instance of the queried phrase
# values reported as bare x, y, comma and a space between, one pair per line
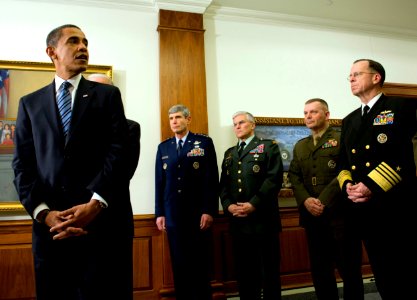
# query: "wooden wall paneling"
400, 89
182, 68
16, 261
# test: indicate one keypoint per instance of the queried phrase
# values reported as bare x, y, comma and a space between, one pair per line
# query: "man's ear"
50, 51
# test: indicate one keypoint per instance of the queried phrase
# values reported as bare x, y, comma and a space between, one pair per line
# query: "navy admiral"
186, 199
378, 175
312, 173
250, 181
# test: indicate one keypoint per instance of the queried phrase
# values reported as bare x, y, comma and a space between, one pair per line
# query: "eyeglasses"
357, 74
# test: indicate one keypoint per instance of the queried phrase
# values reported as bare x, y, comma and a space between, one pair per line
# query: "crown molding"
262, 17
192, 6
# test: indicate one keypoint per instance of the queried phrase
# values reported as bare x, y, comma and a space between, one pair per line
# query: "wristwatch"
41, 217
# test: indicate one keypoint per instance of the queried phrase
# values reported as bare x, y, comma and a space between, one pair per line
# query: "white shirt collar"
372, 102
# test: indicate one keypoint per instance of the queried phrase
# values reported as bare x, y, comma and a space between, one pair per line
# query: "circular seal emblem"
382, 138
165, 166
256, 168
196, 165
331, 164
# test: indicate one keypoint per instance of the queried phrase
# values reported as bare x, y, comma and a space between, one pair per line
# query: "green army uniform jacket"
255, 177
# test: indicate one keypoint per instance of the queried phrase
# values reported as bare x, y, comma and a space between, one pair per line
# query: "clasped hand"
71, 222
241, 209
358, 192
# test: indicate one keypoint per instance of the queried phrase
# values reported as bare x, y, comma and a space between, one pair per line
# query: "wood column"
182, 73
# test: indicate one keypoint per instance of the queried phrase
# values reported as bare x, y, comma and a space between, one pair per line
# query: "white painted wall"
267, 69
270, 70
126, 40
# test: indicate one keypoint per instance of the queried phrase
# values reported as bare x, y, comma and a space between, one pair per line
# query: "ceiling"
393, 17
397, 17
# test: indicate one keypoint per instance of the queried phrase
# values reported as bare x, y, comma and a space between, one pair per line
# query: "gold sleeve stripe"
385, 176
343, 176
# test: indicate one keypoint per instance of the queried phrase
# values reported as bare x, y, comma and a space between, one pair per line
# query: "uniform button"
239, 162
353, 151
179, 178
239, 171
239, 180
240, 190
179, 166
368, 164
353, 167
179, 191
367, 147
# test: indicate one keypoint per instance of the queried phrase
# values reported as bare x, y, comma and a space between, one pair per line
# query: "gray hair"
248, 115
179, 108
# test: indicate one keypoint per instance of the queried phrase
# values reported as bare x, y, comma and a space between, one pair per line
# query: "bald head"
102, 78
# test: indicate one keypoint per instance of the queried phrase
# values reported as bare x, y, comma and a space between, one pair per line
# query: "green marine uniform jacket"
313, 171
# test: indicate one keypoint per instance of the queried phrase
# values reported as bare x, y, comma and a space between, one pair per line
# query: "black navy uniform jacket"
255, 177
187, 186
378, 149
313, 171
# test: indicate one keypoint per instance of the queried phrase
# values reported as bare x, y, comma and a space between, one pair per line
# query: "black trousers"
257, 264
328, 250
89, 267
387, 232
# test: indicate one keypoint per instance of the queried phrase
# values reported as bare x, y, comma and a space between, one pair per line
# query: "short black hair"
54, 36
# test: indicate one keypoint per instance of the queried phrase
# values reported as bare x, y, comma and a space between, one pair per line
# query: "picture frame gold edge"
45, 66
11, 207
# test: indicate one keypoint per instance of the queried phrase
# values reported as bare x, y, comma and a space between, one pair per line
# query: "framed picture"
286, 131
18, 78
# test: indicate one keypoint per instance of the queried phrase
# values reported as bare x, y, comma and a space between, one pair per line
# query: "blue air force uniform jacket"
255, 177
187, 186
378, 151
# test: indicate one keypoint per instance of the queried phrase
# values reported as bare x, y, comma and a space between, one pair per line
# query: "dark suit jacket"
63, 173
133, 147
187, 186
313, 171
256, 177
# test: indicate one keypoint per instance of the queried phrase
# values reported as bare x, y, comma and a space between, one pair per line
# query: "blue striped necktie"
64, 105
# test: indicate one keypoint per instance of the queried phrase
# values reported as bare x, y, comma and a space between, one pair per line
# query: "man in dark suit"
186, 181
378, 177
250, 181
133, 127
312, 173
73, 183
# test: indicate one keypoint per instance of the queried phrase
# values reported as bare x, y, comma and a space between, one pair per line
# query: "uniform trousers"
190, 257
257, 263
328, 250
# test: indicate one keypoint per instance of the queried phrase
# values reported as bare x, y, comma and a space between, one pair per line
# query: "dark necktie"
365, 110
179, 148
64, 105
241, 147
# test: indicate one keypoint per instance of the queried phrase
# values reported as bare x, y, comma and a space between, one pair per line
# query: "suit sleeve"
26, 181
160, 182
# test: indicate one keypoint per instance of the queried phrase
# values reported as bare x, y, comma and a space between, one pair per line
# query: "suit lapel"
49, 109
252, 145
